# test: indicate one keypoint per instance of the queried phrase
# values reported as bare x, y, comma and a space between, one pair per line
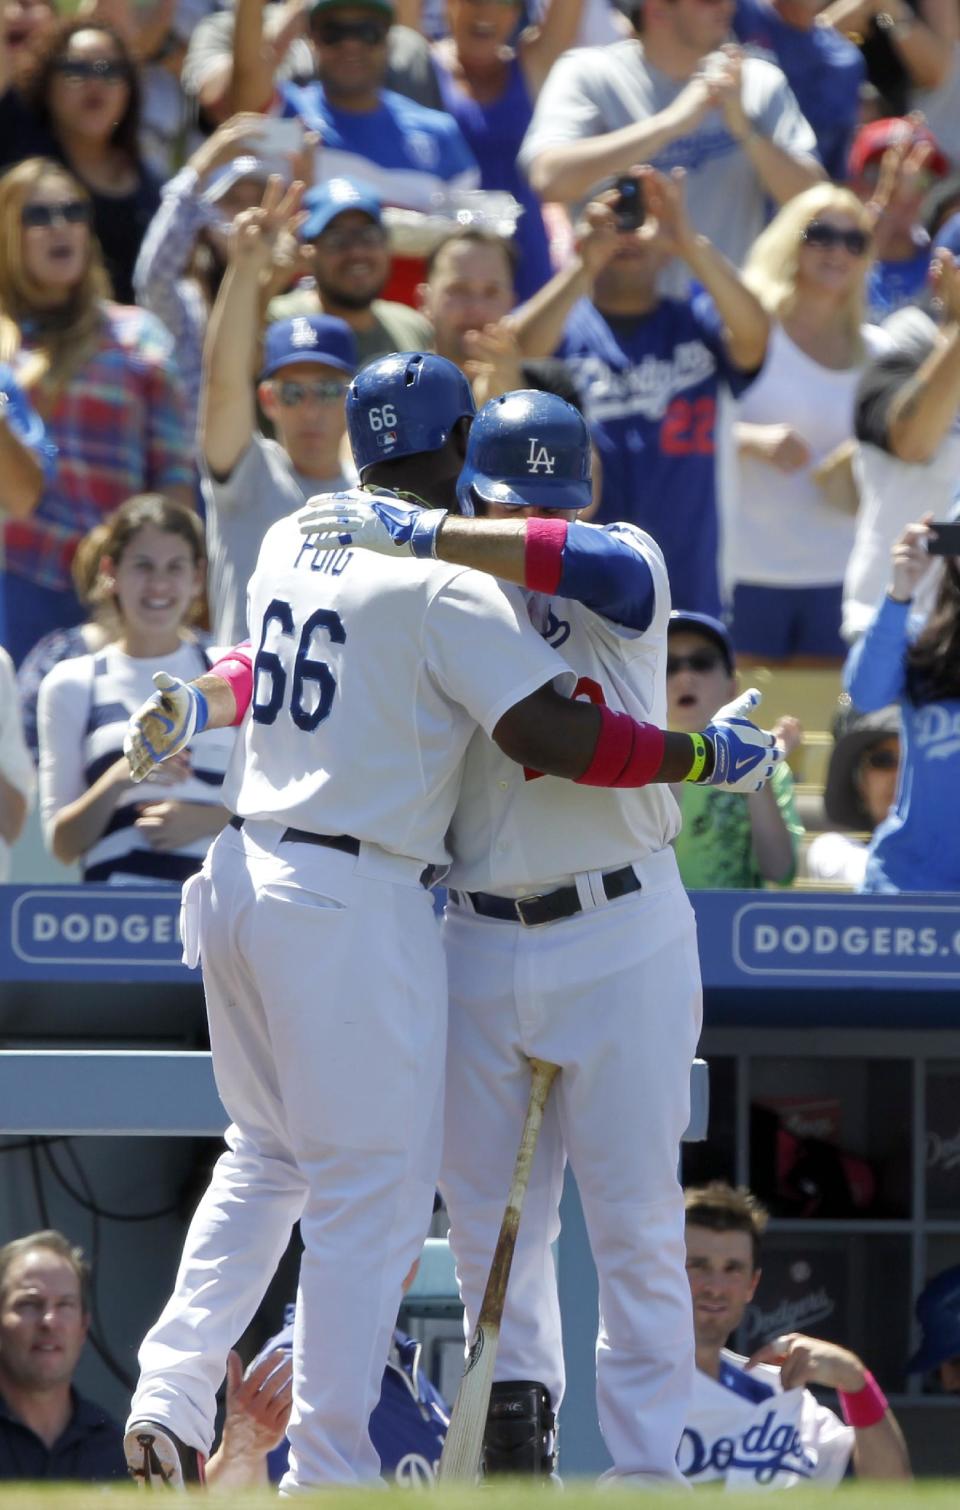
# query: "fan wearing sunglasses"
732, 839
859, 792
81, 106
789, 543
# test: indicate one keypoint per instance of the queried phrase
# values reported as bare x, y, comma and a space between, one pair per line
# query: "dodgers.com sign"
90, 932
859, 942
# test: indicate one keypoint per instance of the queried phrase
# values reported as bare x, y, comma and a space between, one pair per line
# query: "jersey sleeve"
567, 110
710, 328
482, 650
61, 716
781, 118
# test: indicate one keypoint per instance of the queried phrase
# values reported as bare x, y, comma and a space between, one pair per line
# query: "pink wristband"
864, 1407
236, 669
543, 553
627, 753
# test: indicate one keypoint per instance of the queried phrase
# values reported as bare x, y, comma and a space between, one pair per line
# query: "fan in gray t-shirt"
739, 156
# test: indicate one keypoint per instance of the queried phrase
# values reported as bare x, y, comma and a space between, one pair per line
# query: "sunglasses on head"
291, 393
79, 70
72, 212
700, 660
331, 33
818, 233
881, 760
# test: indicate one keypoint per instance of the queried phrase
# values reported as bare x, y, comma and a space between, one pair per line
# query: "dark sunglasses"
700, 660
291, 393
331, 33
881, 760
72, 212
818, 233
341, 239
79, 70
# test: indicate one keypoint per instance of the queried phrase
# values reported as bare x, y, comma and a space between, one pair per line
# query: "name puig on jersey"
761, 1451
330, 562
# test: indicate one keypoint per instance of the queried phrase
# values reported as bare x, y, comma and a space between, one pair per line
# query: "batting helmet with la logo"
528, 450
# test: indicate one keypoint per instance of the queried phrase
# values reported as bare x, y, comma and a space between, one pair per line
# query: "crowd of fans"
726, 230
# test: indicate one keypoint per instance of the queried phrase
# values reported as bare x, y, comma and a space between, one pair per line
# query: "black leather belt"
345, 842
550, 907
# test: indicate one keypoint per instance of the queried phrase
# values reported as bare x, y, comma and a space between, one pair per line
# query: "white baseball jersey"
513, 828
750, 1432
369, 678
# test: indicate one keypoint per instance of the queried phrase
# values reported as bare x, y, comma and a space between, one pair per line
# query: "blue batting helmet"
528, 450
404, 403
938, 1312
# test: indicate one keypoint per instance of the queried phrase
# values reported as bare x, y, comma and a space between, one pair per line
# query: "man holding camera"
650, 369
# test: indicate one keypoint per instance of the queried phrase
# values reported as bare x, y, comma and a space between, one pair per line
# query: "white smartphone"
276, 137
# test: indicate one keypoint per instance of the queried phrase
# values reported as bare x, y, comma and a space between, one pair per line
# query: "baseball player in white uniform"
751, 1422
322, 964
569, 937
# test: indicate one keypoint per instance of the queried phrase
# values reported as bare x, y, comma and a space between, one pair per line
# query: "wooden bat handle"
542, 1076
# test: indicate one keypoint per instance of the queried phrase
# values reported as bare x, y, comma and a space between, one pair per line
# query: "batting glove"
744, 757
382, 524
164, 724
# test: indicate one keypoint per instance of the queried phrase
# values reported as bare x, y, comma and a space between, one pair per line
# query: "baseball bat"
460, 1458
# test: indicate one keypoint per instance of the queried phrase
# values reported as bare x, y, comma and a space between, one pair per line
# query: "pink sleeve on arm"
236, 669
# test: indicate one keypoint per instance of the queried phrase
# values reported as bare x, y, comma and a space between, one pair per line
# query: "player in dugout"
753, 1422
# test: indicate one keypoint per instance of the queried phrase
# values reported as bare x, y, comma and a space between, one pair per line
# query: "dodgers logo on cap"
302, 333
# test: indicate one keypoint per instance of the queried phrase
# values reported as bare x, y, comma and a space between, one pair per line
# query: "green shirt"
714, 847
396, 327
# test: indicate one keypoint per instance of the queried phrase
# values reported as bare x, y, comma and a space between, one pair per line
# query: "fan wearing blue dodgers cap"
304, 368
569, 937
349, 258
938, 1314
727, 839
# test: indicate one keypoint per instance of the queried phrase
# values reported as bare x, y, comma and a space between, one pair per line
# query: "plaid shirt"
120, 428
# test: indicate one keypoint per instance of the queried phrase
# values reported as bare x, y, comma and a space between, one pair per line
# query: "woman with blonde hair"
102, 378
787, 544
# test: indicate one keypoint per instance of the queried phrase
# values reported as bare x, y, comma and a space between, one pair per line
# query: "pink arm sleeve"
236, 669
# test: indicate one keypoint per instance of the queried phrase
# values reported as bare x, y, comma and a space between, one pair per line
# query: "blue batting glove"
372, 522
744, 756
164, 724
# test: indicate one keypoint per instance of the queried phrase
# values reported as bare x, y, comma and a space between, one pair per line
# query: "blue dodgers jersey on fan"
823, 68
405, 151
407, 1427
650, 386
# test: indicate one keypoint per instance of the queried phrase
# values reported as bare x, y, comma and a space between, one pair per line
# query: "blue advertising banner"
83, 933
752, 942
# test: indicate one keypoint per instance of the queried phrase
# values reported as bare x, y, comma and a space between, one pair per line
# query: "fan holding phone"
917, 847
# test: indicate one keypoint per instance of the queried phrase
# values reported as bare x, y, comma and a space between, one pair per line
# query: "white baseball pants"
613, 996
326, 995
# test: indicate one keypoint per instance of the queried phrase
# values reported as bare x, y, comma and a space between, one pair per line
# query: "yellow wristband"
699, 757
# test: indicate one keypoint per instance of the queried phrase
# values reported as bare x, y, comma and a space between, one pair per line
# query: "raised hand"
385, 525
255, 233
595, 233
909, 560
666, 210
745, 756
164, 724
722, 73
232, 139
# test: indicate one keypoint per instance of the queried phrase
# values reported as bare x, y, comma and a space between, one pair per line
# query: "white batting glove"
374, 523
164, 724
745, 756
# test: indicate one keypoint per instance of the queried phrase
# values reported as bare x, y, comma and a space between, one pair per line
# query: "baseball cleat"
157, 1459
